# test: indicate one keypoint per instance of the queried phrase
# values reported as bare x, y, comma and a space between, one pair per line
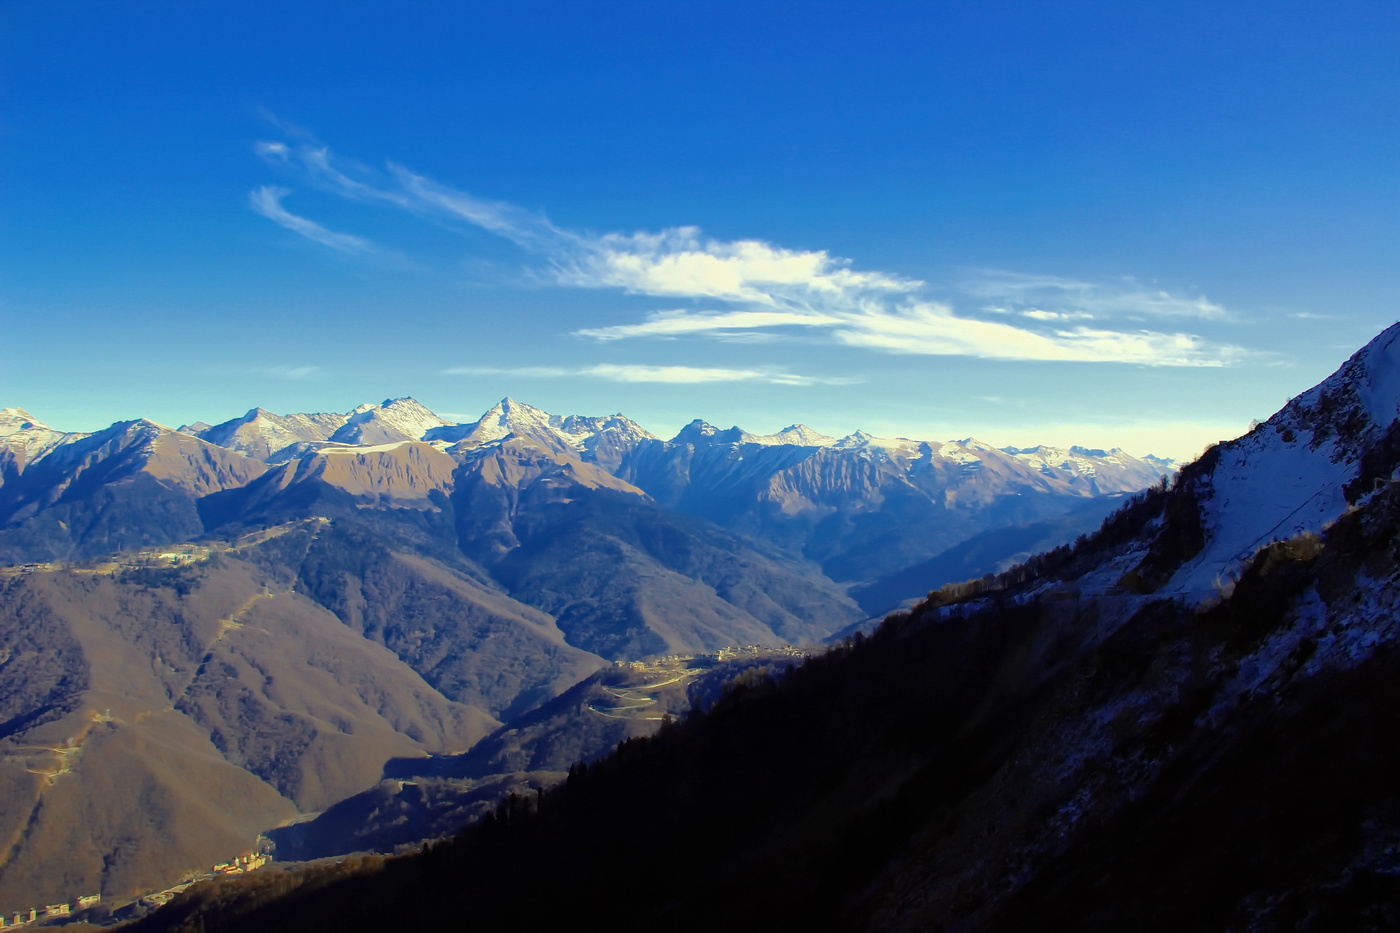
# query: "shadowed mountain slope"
431, 796
864, 507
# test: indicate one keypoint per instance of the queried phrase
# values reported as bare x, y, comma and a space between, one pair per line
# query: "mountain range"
209, 631
858, 506
1183, 720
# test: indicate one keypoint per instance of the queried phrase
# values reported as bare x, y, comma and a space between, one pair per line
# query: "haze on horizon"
1098, 224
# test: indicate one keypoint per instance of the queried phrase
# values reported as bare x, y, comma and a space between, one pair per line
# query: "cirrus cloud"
663, 374
267, 201
760, 291
1051, 297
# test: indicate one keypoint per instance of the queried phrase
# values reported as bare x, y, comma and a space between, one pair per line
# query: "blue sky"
1133, 224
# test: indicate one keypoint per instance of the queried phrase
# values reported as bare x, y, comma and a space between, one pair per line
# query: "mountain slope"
24, 439
863, 507
1102, 736
624, 577
135, 484
219, 697
437, 795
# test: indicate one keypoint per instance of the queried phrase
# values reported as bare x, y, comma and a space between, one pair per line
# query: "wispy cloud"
267, 201
760, 291
933, 329
681, 262
295, 372
643, 373
1050, 297
286, 371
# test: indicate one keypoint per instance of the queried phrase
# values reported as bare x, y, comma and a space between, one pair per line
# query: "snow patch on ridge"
1289, 474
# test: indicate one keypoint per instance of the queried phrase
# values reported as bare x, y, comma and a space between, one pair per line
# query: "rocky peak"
702, 433
13, 420
394, 419
562, 434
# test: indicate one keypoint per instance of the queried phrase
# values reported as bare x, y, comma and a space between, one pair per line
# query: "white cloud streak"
760, 291
661, 374
1043, 296
267, 201
932, 329
679, 262
295, 372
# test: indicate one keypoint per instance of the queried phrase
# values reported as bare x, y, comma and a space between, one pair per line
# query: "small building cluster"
172, 555
241, 864
49, 911
235, 866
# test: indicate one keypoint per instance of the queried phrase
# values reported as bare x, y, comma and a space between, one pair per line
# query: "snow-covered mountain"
602, 440
1296, 473
901, 501
1195, 696
607, 439
862, 505
24, 439
1082, 461
1300, 470
796, 435
265, 436
394, 419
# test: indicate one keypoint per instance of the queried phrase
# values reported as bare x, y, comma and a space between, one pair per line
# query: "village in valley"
76, 909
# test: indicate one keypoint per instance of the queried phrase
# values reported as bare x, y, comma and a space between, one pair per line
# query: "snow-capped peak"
701, 432
28, 438
13, 420
864, 439
394, 419
509, 418
855, 439
1298, 471
262, 434
797, 435
804, 436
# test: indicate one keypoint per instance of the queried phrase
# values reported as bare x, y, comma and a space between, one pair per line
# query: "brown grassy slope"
468, 639
156, 721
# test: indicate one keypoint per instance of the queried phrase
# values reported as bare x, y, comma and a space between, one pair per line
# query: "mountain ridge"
782, 487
